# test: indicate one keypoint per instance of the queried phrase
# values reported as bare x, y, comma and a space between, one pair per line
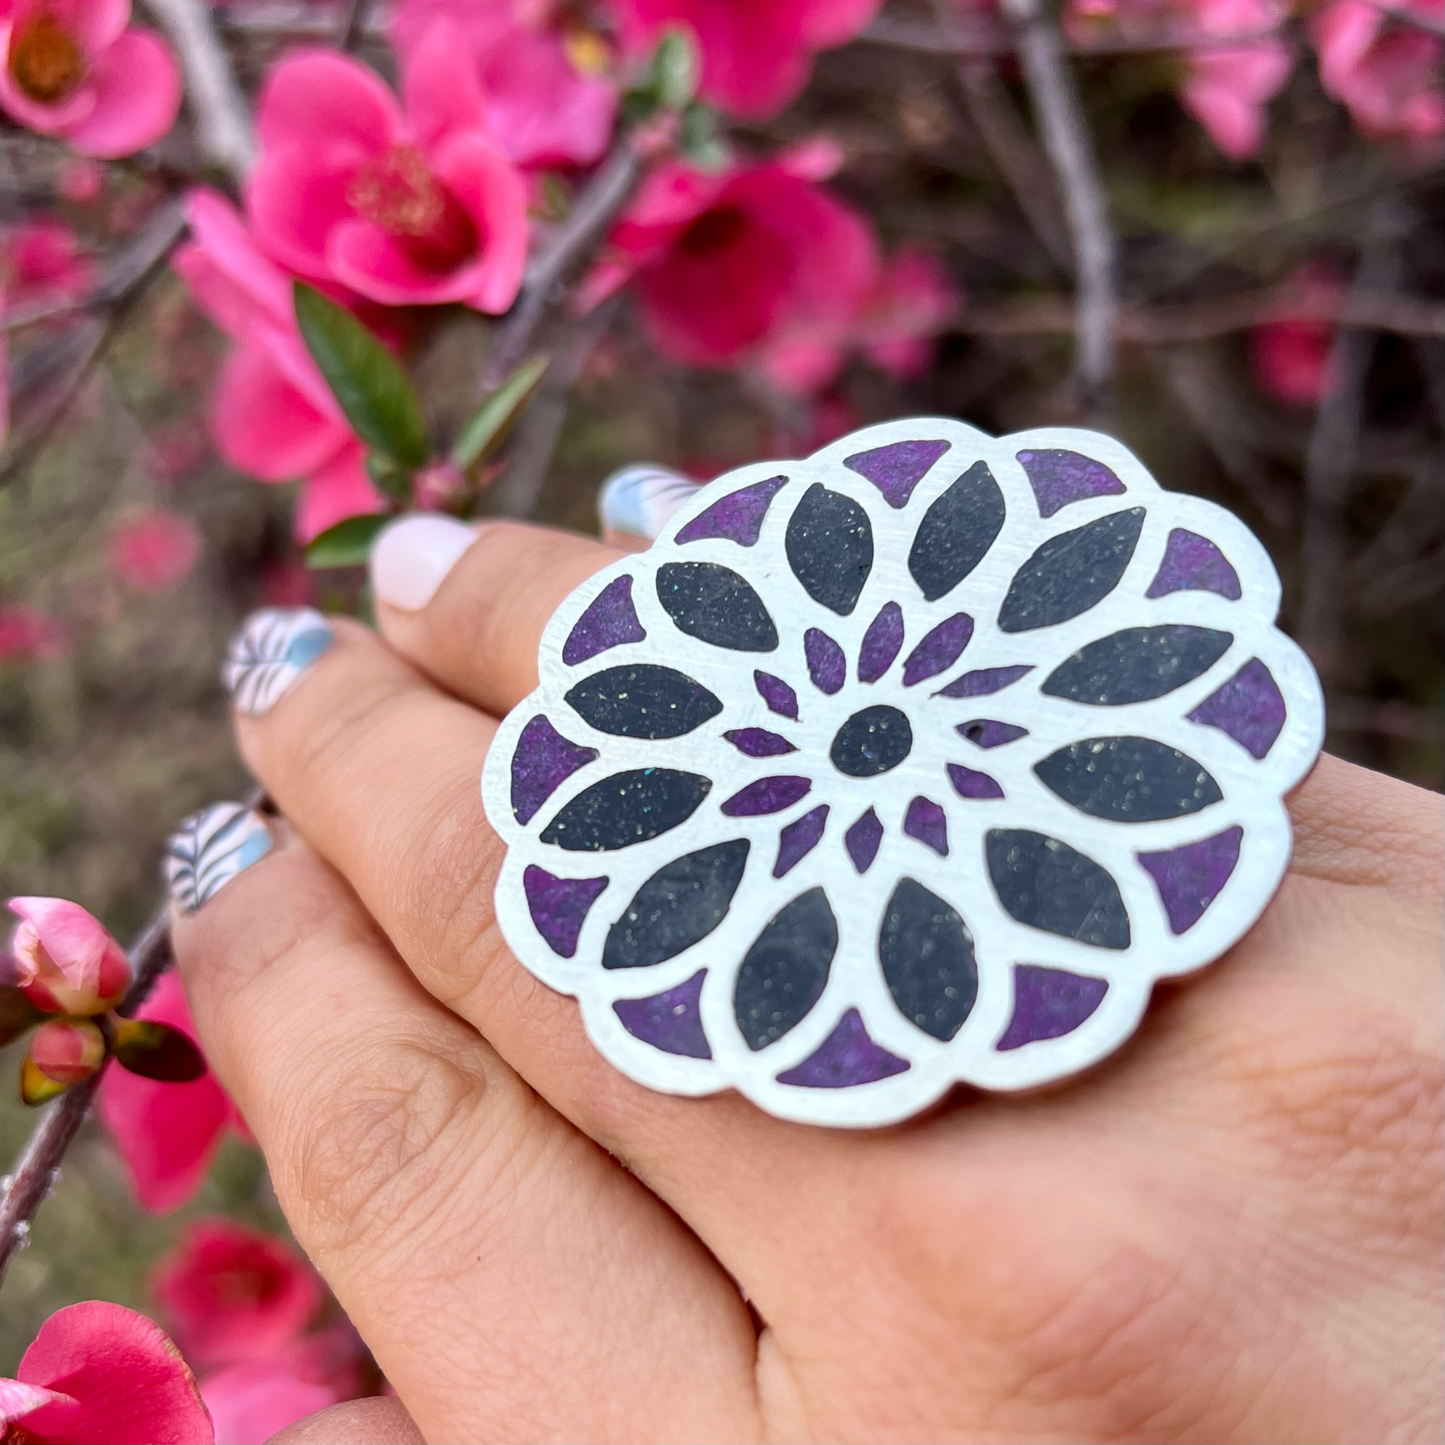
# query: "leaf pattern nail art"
210, 848
270, 652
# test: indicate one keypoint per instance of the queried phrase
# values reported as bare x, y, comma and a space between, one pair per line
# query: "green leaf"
17, 1014
365, 378
391, 479
157, 1051
35, 1088
672, 73
347, 544
494, 418
700, 140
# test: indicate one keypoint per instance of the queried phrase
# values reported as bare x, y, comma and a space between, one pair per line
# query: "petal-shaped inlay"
987, 732
1070, 573
678, 906
1194, 564
716, 605
1189, 878
1060, 477
1137, 664
940, 649
956, 532
609, 621
642, 700
985, 681
927, 955
542, 761
862, 840
627, 808
799, 839
881, 643
896, 469
1249, 707
759, 742
670, 1020
1046, 884
1049, 1003
559, 906
970, 783
925, 821
826, 664
767, 795
785, 970
830, 548
779, 697
737, 517
847, 1057
1128, 779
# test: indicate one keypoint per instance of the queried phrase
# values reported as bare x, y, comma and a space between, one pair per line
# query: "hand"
1229, 1231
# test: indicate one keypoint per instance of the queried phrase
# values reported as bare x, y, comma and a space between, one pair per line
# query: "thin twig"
953, 37
1414, 18
352, 29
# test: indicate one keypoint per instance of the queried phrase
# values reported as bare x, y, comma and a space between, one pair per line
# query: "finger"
511, 1279
378, 1421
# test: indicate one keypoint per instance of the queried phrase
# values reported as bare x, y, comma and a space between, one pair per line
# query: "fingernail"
210, 848
413, 556
639, 500
270, 652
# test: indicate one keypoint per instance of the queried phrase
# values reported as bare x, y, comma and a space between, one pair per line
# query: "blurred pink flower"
756, 54
81, 180
1387, 74
102, 1373
27, 634
65, 959
167, 1134
76, 69
153, 550
67, 1050
1290, 355
544, 102
42, 264
403, 207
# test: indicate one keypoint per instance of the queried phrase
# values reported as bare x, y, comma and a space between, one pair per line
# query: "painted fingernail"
413, 556
270, 652
210, 848
638, 500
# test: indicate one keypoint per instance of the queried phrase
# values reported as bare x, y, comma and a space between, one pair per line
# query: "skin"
1230, 1231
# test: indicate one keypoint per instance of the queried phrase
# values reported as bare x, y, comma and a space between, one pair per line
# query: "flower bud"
65, 961
68, 1050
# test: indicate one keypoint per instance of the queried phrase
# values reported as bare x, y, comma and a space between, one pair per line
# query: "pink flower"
1290, 355
26, 633
65, 960
67, 1050
167, 1134
403, 207
1385, 73
43, 264
154, 550
102, 1373
756, 54
73, 69
544, 101
81, 180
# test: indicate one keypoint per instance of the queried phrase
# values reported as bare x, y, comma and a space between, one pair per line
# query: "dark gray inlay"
679, 905
714, 604
956, 532
643, 701
1128, 780
927, 955
1046, 884
1069, 573
626, 808
871, 742
784, 972
1137, 664
830, 547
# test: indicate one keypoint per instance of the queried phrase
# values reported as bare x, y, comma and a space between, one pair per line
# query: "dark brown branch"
958, 38
352, 29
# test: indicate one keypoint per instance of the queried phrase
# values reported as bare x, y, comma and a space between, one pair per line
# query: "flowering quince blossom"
1290, 355
543, 96
154, 550
78, 70
65, 960
104, 1374
28, 634
402, 206
67, 1050
43, 264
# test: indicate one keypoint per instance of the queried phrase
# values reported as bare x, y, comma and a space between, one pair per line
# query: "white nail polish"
638, 500
412, 557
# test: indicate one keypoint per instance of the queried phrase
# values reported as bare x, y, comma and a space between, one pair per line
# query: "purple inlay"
985, 681
1194, 564
863, 840
1060, 477
670, 1020
1248, 707
543, 761
845, 1058
738, 517
759, 742
987, 732
559, 906
767, 795
1190, 878
799, 839
971, 784
940, 649
779, 697
1048, 1003
925, 821
826, 664
609, 621
881, 643
895, 470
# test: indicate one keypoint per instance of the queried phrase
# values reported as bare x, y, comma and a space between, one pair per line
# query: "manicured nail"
638, 500
270, 652
210, 848
413, 556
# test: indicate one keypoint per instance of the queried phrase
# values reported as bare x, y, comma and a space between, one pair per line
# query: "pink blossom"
26, 633
102, 1373
167, 1134
413, 206
1290, 355
1387, 74
78, 70
44, 265
67, 1050
154, 550
66, 961
544, 101
756, 54
81, 180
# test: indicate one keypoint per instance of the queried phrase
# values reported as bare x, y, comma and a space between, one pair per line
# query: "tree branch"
953, 37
